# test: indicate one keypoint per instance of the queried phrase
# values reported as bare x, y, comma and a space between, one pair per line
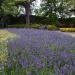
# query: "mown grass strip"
4, 36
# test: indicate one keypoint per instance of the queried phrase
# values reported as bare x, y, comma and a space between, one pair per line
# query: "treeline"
10, 20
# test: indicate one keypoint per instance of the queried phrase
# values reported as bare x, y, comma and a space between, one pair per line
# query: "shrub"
52, 27
67, 29
36, 26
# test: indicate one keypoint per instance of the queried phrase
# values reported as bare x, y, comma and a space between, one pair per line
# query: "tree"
64, 8
49, 9
73, 8
10, 6
56, 8
1, 11
26, 4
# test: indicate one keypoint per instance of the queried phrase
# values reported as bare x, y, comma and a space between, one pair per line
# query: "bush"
67, 29
52, 27
36, 26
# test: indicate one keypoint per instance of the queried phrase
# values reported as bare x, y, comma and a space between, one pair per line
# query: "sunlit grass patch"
40, 52
4, 36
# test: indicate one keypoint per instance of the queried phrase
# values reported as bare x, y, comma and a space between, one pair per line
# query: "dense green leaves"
56, 8
9, 6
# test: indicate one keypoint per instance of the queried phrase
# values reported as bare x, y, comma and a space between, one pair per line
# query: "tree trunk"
27, 8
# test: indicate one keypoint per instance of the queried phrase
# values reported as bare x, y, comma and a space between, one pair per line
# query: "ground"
70, 33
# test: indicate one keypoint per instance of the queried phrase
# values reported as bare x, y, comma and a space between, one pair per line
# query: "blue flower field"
39, 52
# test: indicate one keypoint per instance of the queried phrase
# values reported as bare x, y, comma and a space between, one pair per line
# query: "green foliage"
54, 9
18, 69
57, 6
69, 22
52, 27
3, 52
4, 36
17, 26
36, 26
9, 6
67, 29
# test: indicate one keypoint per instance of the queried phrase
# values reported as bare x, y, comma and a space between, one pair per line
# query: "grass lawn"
4, 36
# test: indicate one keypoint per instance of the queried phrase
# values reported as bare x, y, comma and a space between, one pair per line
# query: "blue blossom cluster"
43, 52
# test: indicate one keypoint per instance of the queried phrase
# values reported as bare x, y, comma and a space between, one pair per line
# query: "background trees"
56, 8
52, 9
10, 7
1, 11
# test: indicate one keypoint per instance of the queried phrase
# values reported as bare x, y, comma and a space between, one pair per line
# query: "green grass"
4, 36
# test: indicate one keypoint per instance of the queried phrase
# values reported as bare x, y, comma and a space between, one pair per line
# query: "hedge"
52, 27
67, 29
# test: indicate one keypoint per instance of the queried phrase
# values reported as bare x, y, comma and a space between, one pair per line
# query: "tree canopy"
9, 6
54, 9
49, 8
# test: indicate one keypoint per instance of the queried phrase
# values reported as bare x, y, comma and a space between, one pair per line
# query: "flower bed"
41, 52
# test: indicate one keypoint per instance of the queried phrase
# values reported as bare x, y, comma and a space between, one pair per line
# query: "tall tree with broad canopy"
56, 8
10, 6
